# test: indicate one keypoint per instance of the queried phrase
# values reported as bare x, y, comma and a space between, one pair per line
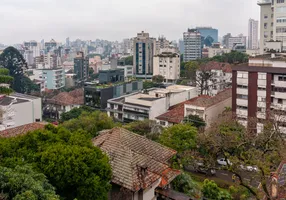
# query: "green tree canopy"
13, 60
195, 120
75, 113
128, 60
181, 137
210, 190
92, 123
148, 128
7, 80
23, 183
70, 162
158, 79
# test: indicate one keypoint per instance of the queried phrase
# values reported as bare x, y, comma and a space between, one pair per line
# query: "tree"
13, 60
92, 123
195, 120
234, 57
243, 147
158, 79
210, 190
5, 81
23, 182
148, 85
181, 137
68, 159
128, 60
184, 183
147, 128
190, 70
204, 80
74, 113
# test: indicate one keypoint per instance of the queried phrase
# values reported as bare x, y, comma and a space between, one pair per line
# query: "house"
220, 80
19, 109
21, 130
206, 107
63, 102
139, 165
148, 105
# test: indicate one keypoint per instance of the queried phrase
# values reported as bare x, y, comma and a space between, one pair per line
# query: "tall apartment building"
81, 66
193, 45
232, 41
161, 43
55, 78
252, 34
225, 40
34, 47
144, 50
167, 64
272, 22
258, 91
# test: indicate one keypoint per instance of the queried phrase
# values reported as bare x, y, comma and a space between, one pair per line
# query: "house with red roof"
221, 79
63, 102
141, 167
206, 107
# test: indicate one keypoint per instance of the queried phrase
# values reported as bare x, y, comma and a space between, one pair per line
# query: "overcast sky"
24, 20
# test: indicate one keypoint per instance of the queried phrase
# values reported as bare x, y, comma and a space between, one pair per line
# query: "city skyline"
112, 20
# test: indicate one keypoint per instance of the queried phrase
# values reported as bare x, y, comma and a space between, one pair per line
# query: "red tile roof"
20, 130
213, 65
130, 154
176, 113
75, 97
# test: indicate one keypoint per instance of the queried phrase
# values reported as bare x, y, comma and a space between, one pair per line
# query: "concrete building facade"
81, 66
253, 34
192, 44
144, 49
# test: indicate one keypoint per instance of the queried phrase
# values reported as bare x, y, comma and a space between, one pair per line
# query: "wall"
214, 111
149, 193
37, 109
177, 98
158, 108
23, 113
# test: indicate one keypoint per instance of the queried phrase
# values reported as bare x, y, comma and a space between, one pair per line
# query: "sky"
25, 20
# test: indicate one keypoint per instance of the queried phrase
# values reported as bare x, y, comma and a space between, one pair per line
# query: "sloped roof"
213, 65
176, 113
130, 154
20, 130
75, 97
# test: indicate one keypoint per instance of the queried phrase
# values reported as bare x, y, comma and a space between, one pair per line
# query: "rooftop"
278, 57
225, 67
176, 113
20, 130
75, 97
136, 161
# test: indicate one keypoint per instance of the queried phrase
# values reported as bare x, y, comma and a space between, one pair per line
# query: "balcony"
263, 2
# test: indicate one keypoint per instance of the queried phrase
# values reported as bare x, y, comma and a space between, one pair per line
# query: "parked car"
249, 168
223, 161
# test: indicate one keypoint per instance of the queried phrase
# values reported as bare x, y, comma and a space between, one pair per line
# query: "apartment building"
161, 43
252, 34
258, 91
141, 106
217, 50
19, 109
221, 78
81, 66
128, 71
233, 41
96, 96
167, 64
55, 78
193, 45
272, 22
206, 107
144, 49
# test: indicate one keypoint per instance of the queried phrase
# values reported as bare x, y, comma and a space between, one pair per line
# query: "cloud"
114, 20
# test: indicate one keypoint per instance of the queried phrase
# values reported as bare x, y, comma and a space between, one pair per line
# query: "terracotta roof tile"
130, 154
75, 97
20, 130
176, 113
213, 65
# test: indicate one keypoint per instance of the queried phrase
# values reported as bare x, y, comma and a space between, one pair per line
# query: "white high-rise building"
193, 45
272, 22
252, 34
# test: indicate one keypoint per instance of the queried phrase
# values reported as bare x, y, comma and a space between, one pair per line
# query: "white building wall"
158, 108
23, 114
149, 193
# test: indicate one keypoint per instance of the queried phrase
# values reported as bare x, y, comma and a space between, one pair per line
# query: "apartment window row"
242, 96
242, 86
279, 89
281, 9
280, 1
261, 88
281, 78
242, 107
281, 20
281, 29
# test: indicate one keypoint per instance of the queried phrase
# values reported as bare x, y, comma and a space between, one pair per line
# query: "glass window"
280, 1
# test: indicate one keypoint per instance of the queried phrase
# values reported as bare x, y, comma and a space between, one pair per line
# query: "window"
280, 1
281, 78
242, 107
261, 88
162, 123
261, 109
242, 86
281, 20
281, 29
281, 9
265, 16
265, 25
241, 96
280, 101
